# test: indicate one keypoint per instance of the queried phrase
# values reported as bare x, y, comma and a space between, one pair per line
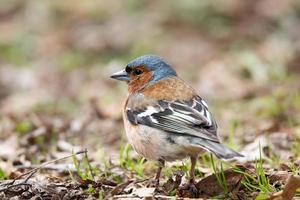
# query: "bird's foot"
153, 183
188, 190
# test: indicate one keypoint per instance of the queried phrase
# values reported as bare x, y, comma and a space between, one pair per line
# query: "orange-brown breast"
172, 88
139, 82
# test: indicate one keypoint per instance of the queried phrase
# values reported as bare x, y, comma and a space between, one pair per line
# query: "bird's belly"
154, 144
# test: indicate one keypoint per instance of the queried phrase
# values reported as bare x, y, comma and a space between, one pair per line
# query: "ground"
61, 128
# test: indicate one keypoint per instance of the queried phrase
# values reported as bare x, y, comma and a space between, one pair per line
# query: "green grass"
273, 159
220, 176
3, 176
87, 172
101, 195
262, 180
205, 160
23, 127
84, 168
136, 165
257, 182
178, 166
294, 168
262, 196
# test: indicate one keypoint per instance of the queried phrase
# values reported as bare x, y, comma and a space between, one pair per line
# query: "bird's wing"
180, 117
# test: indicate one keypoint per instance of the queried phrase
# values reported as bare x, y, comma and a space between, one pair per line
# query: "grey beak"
121, 76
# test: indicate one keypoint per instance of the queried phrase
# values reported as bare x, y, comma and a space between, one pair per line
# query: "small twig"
29, 176
56, 167
30, 173
15, 185
50, 162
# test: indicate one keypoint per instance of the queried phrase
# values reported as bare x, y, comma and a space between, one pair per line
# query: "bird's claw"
188, 190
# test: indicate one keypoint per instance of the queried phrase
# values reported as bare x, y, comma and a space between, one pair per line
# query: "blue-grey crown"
156, 65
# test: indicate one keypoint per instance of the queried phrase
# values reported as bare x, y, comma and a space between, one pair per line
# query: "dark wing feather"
180, 117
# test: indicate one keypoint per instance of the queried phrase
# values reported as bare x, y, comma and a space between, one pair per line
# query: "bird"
164, 117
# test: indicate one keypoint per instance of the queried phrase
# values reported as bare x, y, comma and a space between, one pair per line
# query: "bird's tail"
221, 151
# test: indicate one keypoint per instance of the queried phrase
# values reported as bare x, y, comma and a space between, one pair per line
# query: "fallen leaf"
209, 185
278, 176
293, 183
143, 192
173, 184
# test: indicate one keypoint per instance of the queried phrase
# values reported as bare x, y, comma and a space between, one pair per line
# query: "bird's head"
143, 71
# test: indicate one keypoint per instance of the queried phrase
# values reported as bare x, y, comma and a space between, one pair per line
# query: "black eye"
137, 71
128, 69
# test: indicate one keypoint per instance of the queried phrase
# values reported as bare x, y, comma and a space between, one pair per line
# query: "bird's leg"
161, 164
192, 170
190, 188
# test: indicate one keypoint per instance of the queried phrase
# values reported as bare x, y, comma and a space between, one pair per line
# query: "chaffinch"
165, 119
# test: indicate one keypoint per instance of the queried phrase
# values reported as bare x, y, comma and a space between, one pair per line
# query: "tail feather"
221, 151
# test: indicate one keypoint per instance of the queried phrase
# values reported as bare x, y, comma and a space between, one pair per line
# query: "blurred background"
56, 57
